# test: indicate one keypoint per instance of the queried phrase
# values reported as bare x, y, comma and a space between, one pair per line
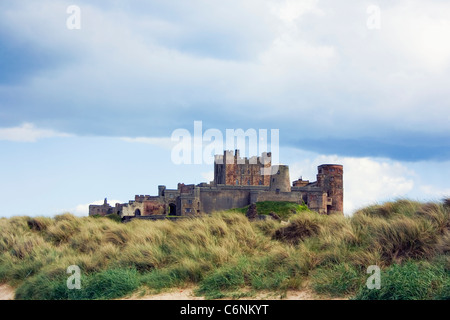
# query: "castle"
237, 183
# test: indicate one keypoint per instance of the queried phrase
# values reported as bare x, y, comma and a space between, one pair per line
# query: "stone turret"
161, 190
330, 180
280, 181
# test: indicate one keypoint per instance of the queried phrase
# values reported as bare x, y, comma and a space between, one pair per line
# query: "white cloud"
435, 192
290, 50
290, 10
27, 132
208, 176
165, 143
420, 34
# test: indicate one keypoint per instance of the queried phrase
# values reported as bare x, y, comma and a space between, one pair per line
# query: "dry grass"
222, 253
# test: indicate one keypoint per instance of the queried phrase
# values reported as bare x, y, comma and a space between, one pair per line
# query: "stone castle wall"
238, 183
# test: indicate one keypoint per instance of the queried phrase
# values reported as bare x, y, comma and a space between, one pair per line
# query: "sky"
89, 98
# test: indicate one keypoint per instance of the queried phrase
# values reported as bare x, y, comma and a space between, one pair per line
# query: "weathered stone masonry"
237, 182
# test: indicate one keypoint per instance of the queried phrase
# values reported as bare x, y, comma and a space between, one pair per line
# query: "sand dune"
187, 294
6, 292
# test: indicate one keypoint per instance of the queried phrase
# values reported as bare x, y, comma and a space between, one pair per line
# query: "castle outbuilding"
237, 183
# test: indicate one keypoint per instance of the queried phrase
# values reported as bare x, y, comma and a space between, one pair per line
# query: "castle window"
260, 182
190, 201
188, 209
248, 181
248, 171
237, 182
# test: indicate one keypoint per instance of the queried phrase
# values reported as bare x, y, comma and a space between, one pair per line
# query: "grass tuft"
297, 230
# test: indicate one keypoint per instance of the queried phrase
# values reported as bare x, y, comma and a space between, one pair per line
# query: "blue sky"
87, 114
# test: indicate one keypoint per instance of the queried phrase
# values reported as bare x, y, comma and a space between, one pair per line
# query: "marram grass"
225, 255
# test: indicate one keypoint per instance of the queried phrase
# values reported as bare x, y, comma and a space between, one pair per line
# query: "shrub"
443, 244
39, 223
337, 280
437, 214
112, 283
42, 287
410, 281
283, 209
404, 238
114, 217
107, 284
297, 230
402, 207
62, 230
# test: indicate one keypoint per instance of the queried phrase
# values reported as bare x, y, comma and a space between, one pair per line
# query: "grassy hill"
225, 255
282, 208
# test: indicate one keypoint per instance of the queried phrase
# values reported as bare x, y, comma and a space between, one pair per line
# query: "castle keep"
237, 183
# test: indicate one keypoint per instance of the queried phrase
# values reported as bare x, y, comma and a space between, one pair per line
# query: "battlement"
229, 158
140, 198
331, 168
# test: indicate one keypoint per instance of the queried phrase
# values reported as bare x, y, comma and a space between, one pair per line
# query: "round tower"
279, 180
330, 180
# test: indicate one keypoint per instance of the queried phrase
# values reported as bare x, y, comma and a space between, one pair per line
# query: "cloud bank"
310, 68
